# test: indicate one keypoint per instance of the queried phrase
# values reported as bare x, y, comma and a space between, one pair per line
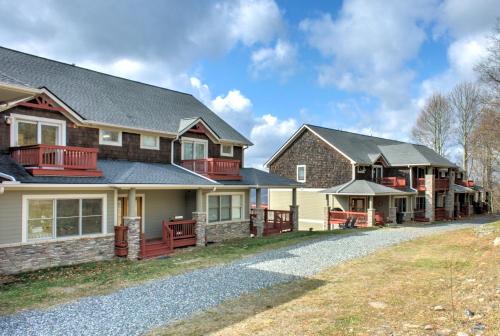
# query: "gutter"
8, 177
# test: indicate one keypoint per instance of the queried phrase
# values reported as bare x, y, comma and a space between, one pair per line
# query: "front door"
123, 208
358, 204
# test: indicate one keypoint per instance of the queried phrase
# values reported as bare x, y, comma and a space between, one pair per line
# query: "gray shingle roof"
108, 99
462, 190
364, 149
363, 187
257, 177
115, 172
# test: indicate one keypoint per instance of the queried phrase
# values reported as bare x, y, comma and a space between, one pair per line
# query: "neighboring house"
367, 177
82, 152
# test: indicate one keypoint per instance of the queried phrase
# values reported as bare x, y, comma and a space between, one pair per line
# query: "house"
345, 174
84, 154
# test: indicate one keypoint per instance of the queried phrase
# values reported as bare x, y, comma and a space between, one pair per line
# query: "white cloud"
268, 134
281, 59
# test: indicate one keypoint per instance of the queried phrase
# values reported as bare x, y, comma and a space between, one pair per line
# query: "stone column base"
295, 217
392, 214
370, 220
258, 221
326, 218
134, 238
201, 227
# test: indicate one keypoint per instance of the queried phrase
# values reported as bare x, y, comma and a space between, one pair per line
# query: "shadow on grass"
233, 311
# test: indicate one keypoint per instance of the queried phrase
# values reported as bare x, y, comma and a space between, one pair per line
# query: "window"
358, 204
400, 204
226, 150
109, 137
420, 203
48, 218
150, 142
361, 169
440, 200
29, 130
301, 173
225, 207
377, 173
194, 149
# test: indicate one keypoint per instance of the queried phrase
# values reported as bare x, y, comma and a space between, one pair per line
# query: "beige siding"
163, 205
311, 206
341, 202
11, 211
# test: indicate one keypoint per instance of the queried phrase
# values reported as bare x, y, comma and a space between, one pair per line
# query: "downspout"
8, 177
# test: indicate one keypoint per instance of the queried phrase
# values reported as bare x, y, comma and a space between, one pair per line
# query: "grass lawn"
392, 292
56, 285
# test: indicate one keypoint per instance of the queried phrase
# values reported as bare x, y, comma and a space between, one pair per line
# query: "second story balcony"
440, 184
393, 182
51, 160
466, 183
215, 168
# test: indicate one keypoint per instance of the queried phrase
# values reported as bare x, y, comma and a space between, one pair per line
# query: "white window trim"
243, 207
110, 143
16, 118
194, 141
381, 170
361, 169
305, 173
406, 203
157, 147
231, 154
24, 215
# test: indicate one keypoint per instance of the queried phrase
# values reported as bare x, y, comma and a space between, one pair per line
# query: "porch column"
134, 227
259, 213
294, 208
429, 194
392, 210
201, 227
326, 214
370, 213
449, 202
199, 200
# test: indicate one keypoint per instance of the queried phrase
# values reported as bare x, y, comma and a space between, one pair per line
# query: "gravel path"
135, 310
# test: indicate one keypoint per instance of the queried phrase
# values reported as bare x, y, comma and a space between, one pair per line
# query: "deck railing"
466, 183
275, 221
441, 184
215, 168
179, 233
440, 214
340, 217
393, 182
61, 157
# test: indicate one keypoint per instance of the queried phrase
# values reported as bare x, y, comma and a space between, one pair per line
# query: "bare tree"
489, 68
434, 124
466, 101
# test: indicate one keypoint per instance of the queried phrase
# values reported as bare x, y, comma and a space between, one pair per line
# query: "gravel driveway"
135, 310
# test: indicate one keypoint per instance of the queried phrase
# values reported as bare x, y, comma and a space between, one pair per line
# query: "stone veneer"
23, 257
225, 231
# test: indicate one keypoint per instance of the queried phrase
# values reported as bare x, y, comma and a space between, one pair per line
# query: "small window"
301, 173
194, 149
400, 204
361, 169
108, 137
28, 130
150, 142
226, 150
420, 203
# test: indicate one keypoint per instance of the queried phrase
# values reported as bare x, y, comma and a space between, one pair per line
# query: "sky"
265, 66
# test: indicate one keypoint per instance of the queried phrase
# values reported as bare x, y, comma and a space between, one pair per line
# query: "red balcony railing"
420, 185
57, 160
466, 183
339, 217
393, 182
441, 184
215, 168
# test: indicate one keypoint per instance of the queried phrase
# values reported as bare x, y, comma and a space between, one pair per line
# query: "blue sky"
268, 66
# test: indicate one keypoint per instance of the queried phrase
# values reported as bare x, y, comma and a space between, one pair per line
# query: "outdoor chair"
345, 225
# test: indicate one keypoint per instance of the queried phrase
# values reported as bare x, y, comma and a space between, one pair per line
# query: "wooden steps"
155, 248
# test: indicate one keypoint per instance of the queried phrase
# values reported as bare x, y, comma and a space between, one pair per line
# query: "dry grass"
391, 292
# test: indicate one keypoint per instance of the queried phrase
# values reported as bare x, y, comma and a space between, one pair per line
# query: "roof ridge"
91, 70
368, 136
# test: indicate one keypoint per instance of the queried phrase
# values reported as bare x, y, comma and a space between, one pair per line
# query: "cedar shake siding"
326, 167
89, 137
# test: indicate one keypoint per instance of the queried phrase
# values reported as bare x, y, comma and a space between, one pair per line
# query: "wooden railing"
179, 233
440, 214
62, 157
466, 183
216, 168
420, 185
340, 217
393, 182
441, 184
275, 221
419, 215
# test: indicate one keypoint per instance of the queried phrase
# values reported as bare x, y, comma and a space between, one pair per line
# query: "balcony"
393, 182
215, 168
49, 160
420, 185
441, 184
467, 183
